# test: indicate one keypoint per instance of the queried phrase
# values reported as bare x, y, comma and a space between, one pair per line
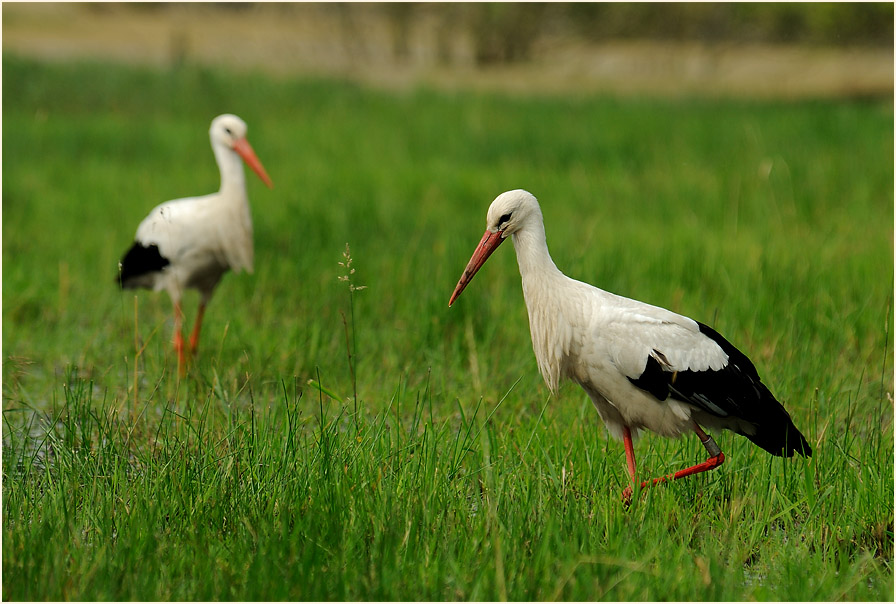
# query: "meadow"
331, 444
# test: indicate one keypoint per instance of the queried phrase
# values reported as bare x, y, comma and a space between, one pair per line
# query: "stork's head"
226, 129
229, 131
509, 212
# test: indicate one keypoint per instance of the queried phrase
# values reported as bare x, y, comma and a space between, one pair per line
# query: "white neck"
532, 253
542, 281
231, 166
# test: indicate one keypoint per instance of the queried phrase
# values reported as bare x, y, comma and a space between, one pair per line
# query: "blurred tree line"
507, 32
831, 23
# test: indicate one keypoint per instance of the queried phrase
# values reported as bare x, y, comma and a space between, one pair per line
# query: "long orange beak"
490, 242
245, 151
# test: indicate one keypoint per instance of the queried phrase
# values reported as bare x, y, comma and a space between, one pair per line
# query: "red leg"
179, 337
629, 451
630, 460
194, 337
715, 460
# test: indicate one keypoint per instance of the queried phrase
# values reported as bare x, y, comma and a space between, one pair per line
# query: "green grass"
459, 477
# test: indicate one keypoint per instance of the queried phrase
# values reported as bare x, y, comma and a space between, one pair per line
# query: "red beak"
245, 151
490, 242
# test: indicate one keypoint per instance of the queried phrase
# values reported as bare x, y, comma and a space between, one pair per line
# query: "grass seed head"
349, 271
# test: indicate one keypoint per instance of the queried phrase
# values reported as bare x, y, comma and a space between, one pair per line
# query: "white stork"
192, 242
644, 367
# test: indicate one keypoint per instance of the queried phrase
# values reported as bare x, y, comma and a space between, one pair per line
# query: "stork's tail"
776, 432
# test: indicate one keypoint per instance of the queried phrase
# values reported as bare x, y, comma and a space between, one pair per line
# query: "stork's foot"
716, 458
710, 464
627, 496
628, 491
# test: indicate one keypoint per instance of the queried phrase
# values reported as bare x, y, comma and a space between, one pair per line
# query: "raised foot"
709, 464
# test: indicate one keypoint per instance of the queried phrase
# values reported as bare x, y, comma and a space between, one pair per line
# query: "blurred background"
756, 49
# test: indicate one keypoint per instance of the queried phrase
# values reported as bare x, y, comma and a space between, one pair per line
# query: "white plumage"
643, 366
192, 242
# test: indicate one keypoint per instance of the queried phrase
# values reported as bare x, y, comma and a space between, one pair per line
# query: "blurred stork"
192, 242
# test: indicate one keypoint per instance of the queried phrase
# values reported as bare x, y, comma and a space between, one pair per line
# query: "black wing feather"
734, 390
138, 261
653, 379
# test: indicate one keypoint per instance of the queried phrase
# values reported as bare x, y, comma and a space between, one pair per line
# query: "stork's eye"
504, 218
228, 131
